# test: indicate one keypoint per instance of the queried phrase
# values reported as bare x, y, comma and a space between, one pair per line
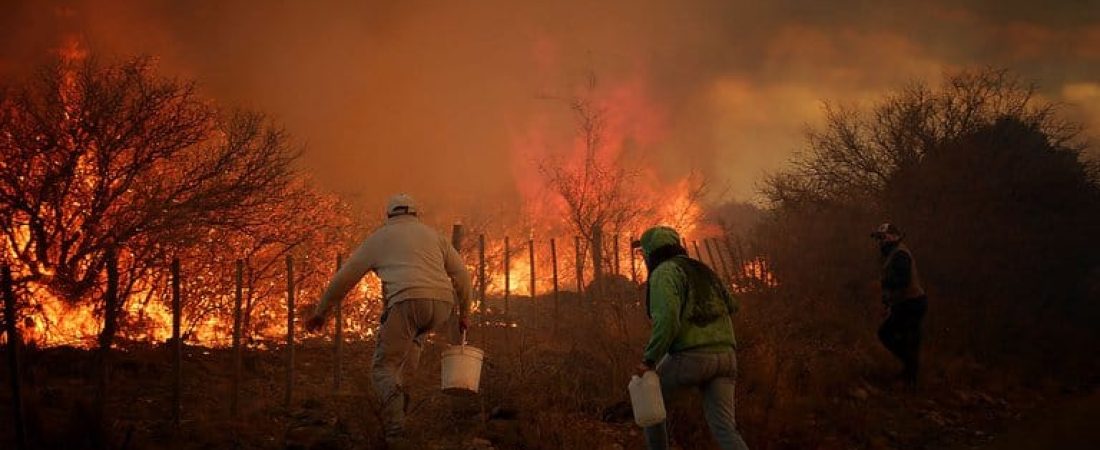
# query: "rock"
312, 403
310, 438
858, 394
481, 444
879, 443
620, 412
309, 429
936, 418
506, 433
502, 413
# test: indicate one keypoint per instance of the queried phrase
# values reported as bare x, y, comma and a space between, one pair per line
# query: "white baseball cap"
400, 204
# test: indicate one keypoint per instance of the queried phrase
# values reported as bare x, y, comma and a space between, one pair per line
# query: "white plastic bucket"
646, 399
462, 369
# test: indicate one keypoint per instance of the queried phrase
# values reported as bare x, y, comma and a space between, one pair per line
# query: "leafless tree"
597, 189
857, 152
977, 169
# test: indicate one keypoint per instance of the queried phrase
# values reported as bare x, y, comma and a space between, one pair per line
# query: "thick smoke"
432, 97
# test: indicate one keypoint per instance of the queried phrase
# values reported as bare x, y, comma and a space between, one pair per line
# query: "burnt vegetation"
992, 188
108, 171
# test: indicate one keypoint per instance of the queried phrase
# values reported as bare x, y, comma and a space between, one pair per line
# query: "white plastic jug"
461, 369
646, 399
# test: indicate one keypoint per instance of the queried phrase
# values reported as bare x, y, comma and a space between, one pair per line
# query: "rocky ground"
549, 390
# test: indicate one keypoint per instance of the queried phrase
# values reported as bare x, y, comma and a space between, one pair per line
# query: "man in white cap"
422, 277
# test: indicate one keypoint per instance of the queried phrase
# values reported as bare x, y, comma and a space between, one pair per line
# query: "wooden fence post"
234, 401
507, 273
177, 345
633, 262
338, 350
710, 254
13, 358
531, 262
722, 260
456, 237
481, 269
615, 249
289, 330
531, 251
740, 258
456, 242
579, 265
554, 268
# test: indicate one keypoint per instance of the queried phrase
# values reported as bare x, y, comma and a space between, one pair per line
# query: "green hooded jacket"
688, 304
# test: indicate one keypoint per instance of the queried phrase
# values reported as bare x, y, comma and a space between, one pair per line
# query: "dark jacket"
900, 278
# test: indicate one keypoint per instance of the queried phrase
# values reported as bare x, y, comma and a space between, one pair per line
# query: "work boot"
393, 415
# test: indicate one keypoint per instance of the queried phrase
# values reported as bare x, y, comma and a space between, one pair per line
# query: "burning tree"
303, 222
597, 186
107, 169
606, 187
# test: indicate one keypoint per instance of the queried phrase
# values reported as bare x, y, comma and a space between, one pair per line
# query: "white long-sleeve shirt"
413, 261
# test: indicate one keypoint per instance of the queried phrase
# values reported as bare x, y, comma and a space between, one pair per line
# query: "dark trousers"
901, 333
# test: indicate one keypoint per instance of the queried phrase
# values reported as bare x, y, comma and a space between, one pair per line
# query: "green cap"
657, 237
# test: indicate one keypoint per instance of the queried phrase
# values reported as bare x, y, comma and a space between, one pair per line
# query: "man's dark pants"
901, 333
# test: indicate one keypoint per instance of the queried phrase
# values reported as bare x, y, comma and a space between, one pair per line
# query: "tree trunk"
112, 307
597, 260
246, 321
14, 342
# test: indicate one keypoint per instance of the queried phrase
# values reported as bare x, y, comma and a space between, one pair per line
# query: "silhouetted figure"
692, 345
904, 298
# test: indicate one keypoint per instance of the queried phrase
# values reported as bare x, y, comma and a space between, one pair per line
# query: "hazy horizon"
450, 102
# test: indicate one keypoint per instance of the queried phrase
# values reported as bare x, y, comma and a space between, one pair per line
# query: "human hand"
315, 323
463, 324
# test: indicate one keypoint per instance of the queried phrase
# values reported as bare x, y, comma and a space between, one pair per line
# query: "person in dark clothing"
905, 300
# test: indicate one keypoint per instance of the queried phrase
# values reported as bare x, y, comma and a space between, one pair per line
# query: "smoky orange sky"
451, 101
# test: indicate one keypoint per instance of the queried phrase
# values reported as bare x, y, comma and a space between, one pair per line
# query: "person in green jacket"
692, 345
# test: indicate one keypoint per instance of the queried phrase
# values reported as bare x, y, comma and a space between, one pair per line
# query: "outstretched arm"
345, 279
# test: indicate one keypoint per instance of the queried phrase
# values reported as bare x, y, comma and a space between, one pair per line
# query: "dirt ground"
547, 389
1070, 423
